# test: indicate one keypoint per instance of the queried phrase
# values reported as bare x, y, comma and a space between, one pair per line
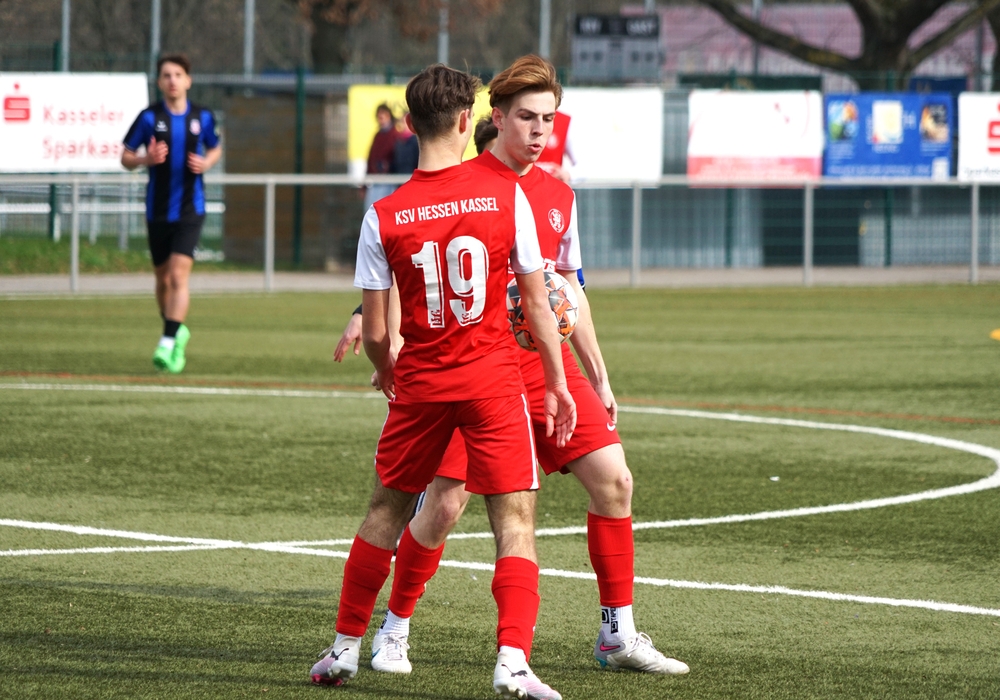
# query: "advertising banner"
896, 134
979, 137
619, 144
363, 100
755, 135
67, 122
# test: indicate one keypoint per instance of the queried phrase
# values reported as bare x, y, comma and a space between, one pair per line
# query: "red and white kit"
553, 205
448, 236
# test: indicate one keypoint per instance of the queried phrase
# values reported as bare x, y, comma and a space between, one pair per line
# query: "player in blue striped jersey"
181, 143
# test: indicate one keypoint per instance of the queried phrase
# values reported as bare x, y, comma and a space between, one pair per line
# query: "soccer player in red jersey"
524, 98
448, 236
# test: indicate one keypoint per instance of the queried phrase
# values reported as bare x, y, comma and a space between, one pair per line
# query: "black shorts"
167, 237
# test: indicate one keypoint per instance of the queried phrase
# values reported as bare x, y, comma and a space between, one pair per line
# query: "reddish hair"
527, 74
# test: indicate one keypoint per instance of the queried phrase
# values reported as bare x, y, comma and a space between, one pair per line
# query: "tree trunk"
994, 20
329, 44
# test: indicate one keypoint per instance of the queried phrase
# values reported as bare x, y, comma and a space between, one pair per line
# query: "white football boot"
512, 679
389, 653
636, 653
337, 663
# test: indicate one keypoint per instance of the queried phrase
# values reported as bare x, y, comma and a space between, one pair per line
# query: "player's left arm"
584, 338
376, 339
585, 343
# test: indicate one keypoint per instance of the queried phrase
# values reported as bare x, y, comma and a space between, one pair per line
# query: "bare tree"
331, 21
994, 20
887, 59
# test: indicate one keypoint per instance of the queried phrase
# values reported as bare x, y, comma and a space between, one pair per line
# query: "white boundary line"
198, 390
307, 547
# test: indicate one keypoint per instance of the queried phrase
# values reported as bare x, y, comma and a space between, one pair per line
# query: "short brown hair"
485, 132
436, 95
527, 74
177, 58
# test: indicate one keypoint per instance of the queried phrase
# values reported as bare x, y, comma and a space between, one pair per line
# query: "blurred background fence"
680, 223
266, 76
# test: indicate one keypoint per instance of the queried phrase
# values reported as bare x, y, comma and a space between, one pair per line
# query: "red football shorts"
499, 444
593, 431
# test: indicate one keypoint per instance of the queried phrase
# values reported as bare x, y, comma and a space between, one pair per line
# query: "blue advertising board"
893, 134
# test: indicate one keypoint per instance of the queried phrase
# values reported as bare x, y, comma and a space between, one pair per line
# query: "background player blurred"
181, 144
446, 237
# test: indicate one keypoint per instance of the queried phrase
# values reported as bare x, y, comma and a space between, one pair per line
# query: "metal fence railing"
673, 222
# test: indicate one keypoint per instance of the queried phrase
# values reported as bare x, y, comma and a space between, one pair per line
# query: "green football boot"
162, 358
177, 358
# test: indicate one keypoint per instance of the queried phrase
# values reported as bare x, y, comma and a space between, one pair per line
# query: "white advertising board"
67, 122
755, 135
979, 137
615, 134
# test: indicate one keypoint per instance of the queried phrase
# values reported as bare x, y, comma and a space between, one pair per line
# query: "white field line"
764, 590
199, 390
992, 481
186, 543
104, 550
483, 566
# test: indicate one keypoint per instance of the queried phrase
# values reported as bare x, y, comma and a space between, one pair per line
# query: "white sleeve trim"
525, 256
372, 270
568, 256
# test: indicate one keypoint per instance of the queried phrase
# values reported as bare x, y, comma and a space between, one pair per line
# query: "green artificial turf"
33, 255
254, 468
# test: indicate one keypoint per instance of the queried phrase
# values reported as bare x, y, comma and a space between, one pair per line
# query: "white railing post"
633, 277
74, 245
269, 235
974, 256
807, 235
123, 215
94, 221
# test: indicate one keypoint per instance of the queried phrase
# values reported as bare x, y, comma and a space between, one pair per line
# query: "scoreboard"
616, 48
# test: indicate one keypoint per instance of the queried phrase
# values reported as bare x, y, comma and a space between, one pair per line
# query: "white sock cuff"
393, 624
617, 623
513, 654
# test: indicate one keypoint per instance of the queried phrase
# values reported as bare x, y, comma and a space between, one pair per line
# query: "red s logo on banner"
993, 136
16, 108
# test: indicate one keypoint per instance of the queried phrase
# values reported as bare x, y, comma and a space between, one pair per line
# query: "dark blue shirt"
174, 193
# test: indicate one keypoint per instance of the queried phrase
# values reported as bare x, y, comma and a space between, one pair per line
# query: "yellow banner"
363, 100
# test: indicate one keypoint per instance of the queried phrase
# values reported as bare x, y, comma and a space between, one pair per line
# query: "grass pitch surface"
286, 460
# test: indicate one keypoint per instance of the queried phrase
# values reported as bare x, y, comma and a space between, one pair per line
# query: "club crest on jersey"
195, 127
556, 220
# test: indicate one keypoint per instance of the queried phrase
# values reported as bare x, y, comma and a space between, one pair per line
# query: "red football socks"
365, 573
415, 565
515, 589
612, 554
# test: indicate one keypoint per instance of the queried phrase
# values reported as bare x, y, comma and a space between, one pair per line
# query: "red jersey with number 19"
448, 236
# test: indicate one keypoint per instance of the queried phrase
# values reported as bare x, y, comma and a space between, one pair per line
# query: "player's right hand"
385, 381
608, 399
352, 334
560, 414
156, 152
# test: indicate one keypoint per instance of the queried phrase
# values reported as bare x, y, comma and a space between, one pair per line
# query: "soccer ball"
562, 299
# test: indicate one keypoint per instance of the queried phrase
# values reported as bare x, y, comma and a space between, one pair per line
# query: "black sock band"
170, 328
